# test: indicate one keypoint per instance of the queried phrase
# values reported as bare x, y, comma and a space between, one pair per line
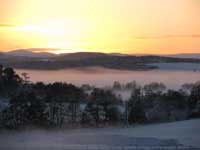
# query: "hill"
186, 133
41, 60
29, 53
81, 55
186, 55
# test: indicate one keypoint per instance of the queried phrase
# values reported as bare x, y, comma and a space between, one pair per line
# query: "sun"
54, 33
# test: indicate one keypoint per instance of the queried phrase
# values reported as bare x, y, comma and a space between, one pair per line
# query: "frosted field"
167, 134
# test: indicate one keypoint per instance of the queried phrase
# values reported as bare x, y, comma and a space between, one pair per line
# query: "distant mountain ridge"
178, 55
186, 55
37, 52
26, 59
29, 53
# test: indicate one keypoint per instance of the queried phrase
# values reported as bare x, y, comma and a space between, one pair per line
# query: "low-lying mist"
101, 77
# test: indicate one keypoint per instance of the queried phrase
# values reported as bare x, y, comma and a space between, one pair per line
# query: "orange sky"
126, 26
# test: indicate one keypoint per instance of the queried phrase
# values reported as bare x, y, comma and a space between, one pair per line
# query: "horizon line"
34, 50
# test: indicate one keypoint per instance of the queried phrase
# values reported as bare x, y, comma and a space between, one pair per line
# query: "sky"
113, 26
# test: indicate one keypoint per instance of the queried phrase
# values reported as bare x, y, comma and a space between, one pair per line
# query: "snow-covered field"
168, 134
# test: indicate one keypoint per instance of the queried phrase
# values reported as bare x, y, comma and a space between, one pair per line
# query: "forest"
62, 105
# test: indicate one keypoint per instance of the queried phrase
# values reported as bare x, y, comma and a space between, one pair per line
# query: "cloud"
7, 25
169, 36
136, 37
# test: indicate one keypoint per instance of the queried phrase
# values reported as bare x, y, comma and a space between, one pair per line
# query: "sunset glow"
129, 26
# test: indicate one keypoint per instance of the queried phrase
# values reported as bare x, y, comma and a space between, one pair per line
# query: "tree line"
60, 104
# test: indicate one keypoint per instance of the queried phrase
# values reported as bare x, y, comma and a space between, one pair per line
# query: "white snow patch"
185, 132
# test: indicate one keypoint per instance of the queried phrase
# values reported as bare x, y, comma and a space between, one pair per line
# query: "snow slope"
183, 132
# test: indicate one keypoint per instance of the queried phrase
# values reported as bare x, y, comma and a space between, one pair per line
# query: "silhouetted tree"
25, 109
103, 106
174, 101
10, 81
117, 86
136, 113
154, 88
194, 101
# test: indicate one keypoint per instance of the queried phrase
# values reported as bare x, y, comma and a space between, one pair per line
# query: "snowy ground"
168, 134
